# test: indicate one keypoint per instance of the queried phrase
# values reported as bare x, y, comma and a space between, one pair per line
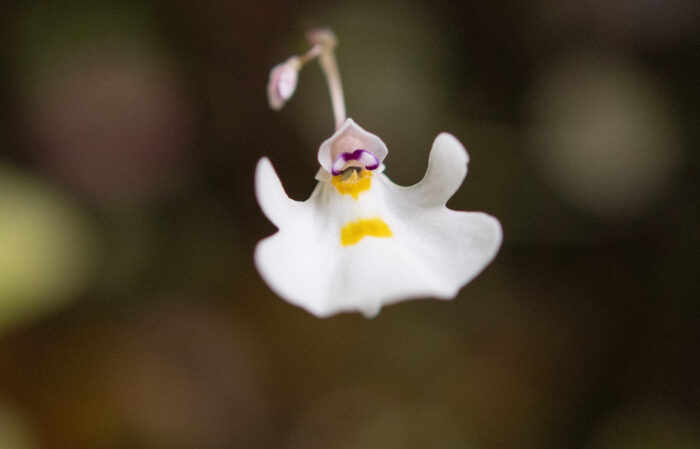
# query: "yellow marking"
353, 184
354, 231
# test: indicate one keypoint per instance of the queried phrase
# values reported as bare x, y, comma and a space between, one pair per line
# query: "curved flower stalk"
360, 241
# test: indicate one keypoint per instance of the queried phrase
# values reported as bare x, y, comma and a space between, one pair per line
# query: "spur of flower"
360, 241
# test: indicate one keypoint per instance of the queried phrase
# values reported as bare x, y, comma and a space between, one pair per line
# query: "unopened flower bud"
283, 82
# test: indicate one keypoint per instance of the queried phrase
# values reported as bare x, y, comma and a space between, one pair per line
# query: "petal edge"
272, 198
447, 168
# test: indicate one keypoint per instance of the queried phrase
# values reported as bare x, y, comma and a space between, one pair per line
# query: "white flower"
360, 241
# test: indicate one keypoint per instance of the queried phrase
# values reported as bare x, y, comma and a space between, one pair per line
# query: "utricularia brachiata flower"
360, 241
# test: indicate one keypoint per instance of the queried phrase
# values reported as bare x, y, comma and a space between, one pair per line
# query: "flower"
360, 241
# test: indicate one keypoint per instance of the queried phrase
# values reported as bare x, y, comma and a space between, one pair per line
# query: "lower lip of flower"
363, 157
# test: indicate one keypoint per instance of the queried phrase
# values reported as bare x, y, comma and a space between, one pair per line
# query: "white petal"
447, 167
296, 265
273, 200
454, 246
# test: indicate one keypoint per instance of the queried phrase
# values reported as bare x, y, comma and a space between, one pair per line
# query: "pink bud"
283, 83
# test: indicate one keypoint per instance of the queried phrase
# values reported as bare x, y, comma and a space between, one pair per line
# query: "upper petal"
447, 168
273, 200
347, 139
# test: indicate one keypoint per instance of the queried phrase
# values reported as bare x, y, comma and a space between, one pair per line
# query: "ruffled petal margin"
272, 198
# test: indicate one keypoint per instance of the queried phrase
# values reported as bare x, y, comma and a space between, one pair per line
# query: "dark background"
131, 315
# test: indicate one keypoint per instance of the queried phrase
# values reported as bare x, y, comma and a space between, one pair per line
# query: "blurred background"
131, 315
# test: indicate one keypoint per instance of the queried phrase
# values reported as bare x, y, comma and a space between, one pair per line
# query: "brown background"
131, 315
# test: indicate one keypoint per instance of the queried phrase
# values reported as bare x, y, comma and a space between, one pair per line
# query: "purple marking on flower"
364, 157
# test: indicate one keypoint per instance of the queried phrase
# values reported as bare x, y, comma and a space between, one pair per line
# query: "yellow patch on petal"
354, 231
353, 184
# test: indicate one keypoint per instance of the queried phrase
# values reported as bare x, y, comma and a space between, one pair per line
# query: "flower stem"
284, 76
324, 42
